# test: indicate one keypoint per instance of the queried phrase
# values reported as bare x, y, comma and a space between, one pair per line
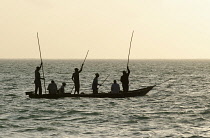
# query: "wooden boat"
134, 93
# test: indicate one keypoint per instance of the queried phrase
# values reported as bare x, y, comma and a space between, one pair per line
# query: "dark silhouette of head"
124, 72
76, 69
64, 84
52, 81
97, 75
38, 68
115, 81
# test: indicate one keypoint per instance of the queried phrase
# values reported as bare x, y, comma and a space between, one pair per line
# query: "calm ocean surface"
177, 108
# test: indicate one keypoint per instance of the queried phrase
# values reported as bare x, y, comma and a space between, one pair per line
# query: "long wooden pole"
41, 61
130, 48
85, 57
105, 79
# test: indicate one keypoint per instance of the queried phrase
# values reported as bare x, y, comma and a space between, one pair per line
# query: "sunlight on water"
176, 108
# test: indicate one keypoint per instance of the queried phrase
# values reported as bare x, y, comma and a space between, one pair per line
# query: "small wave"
88, 133
91, 113
11, 95
48, 111
199, 119
186, 121
23, 110
197, 137
79, 118
139, 117
36, 129
44, 118
166, 112
2, 126
145, 129
3, 119
112, 103
45, 129
206, 112
169, 85
31, 117
10, 87
26, 130
22, 118
131, 121
71, 112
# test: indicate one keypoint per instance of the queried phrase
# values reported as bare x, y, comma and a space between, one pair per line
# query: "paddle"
81, 66
130, 48
41, 61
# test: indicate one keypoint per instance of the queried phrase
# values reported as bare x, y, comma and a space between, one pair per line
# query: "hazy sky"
164, 29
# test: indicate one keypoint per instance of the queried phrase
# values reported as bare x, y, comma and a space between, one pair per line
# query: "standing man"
95, 84
37, 80
75, 78
125, 81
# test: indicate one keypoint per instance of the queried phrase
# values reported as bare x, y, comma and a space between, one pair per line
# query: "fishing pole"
41, 61
105, 80
85, 57
130, 48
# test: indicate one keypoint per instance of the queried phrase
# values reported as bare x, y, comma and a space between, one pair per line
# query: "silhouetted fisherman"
125, 81
95, 84
37, 80
52, 87
75, 78
115, 88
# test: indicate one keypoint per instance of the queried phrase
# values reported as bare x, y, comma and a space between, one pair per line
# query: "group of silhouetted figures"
52, 87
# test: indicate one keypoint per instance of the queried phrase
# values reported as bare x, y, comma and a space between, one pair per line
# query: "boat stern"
29, 93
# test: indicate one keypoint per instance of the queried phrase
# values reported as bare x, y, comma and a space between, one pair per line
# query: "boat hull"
134, 93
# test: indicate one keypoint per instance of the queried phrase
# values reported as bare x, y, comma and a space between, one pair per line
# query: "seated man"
62, 90
115, 87
52, 87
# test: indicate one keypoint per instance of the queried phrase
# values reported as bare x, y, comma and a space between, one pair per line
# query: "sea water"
180, 107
